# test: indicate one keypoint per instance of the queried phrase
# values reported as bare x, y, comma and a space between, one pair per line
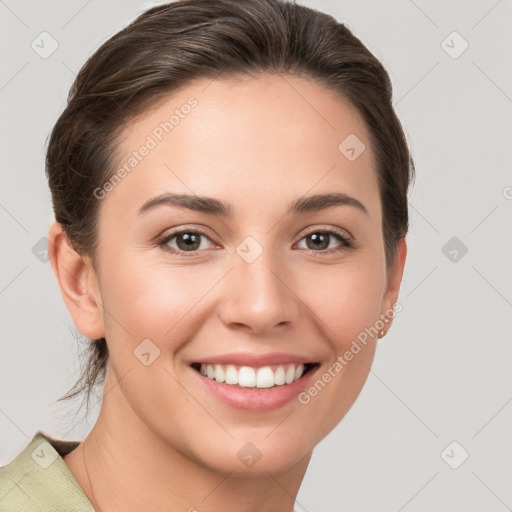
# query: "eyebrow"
213, 206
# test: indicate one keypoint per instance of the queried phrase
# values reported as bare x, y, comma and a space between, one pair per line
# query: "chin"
255, 456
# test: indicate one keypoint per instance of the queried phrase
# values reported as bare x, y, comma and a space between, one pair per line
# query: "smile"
254, 377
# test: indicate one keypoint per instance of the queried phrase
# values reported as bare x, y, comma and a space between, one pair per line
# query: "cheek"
155, 301
346, 299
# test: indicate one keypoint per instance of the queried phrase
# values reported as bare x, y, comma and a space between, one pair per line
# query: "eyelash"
346, 243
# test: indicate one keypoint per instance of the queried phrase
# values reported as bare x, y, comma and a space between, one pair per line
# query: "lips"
257, 388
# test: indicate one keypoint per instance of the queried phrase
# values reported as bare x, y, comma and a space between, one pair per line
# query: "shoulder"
39, 479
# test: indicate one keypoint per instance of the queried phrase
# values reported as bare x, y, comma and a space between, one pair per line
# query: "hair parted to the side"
169, 46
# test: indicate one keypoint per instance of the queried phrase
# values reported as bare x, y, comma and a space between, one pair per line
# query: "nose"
257, 297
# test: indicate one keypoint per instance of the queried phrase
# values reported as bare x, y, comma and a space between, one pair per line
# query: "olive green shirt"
39, 479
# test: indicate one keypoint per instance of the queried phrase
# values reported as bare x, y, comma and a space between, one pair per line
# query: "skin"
161, 441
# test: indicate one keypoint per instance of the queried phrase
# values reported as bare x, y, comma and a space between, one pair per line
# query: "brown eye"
185, 242
326, 241
318, 241
188, 241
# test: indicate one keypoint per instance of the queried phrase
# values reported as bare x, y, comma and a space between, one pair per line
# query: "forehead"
273, 137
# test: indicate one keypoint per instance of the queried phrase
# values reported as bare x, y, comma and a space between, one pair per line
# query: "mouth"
262, 377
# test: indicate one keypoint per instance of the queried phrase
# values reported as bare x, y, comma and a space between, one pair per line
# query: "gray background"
443, 372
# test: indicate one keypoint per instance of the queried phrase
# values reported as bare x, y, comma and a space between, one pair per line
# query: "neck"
123, 465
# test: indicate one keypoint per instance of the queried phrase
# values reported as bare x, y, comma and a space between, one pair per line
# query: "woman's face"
246, 271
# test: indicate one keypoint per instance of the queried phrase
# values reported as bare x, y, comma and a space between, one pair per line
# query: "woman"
229, 181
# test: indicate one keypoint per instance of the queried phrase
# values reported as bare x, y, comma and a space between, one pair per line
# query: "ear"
78, 284
394, 280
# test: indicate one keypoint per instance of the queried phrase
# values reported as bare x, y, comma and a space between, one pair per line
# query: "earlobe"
78, 284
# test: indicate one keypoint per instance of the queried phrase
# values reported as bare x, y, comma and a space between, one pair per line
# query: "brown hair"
170, 45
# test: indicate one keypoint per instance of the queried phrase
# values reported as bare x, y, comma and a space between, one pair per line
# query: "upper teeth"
245, 376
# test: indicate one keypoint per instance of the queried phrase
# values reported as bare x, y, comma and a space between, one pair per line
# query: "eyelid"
203, 230
326, 228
